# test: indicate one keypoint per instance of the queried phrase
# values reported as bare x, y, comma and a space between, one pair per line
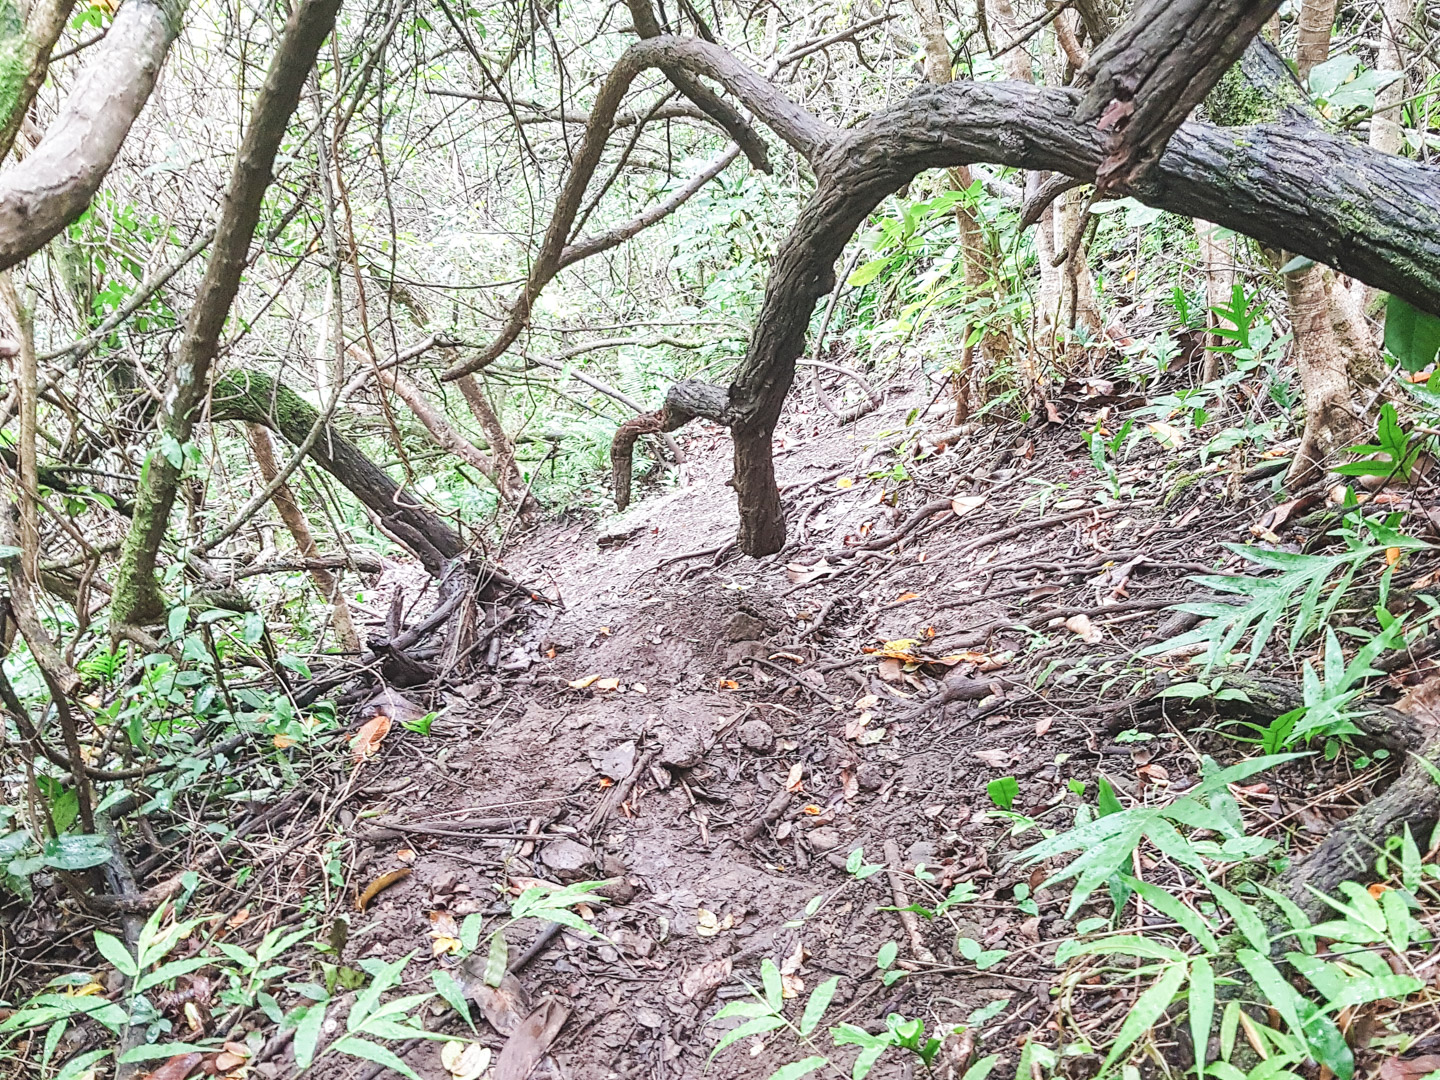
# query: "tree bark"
1317, 20
294, 518
31, 52
53, 185
1143, 80
1385, 132
1324, 376
137, 596
258, 399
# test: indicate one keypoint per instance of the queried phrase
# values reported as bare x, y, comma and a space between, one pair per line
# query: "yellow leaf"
581, 684
707, 923
1392, 556
845, 482
381, 883
282, 742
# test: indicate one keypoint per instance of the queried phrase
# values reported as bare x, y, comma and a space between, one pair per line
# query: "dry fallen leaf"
405, 856
465, 1061
178, 1067
996, 759
855, 728
444, 934
906, 597
607, 684
1043, 724
699, 984
845, 482
963, 504
529, 1042
727, 684
379, 885
800, 574
795, 779
890, 670
581, 684
1409, 1068
367, 740
282, 742
1088, 631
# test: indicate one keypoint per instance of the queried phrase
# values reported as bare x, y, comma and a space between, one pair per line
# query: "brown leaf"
964, 504
178, 1067
891, 671
1088, 631
1409, 1068
379, 885
996, 759
367, 740
704, 980
795, 779
505, 1006
529, 1042
1043, 724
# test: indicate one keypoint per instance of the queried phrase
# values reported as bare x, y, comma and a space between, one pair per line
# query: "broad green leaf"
1229, 1024
497, 959
79, 1066
816, 1004
796, 1069
1412, 336
887, 954
742, 1008
370, 1051
114, 950
1202, 1010
1123, 945
1148, 1009
307, 1033
981, 1069
757, 1026
450, 990
1247, 921
1272, 984
770, 977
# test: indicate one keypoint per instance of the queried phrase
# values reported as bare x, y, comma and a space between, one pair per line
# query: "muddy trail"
766, 759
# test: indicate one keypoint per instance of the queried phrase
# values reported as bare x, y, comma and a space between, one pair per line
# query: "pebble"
566, 856
870, 776
758, 736
824, 838
684, 751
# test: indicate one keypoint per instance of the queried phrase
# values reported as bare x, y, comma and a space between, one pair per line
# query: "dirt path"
737, 741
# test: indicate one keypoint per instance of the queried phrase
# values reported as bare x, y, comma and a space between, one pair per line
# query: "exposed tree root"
1410, 730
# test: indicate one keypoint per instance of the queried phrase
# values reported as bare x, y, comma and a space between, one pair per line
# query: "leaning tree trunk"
56, 181
137, 596
258, 399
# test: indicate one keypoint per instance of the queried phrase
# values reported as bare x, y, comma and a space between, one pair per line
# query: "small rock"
922, 851
824, 838
757, 736
616, 762
745, 650
566, 857
444, 883
870, 776
684, 751
618, 889
742, 626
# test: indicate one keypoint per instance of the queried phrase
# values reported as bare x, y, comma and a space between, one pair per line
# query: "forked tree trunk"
290, 513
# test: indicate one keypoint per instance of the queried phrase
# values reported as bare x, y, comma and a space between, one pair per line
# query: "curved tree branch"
53, 185
810, 136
